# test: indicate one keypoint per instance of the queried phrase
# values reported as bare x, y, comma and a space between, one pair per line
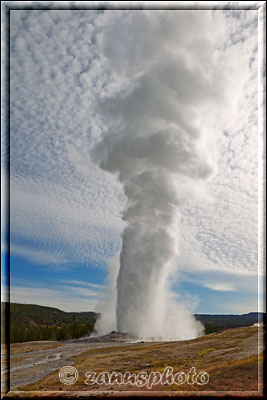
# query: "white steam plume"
154, 141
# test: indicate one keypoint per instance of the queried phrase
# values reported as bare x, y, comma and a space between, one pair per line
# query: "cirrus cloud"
61, 66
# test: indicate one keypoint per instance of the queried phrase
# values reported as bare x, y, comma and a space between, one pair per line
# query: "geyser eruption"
153, 142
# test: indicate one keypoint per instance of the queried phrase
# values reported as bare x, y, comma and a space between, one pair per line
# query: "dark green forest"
220, 322
29, 322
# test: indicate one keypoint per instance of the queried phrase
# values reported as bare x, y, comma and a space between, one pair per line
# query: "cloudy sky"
66, 212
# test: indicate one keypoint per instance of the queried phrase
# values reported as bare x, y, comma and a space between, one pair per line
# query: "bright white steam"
155, 142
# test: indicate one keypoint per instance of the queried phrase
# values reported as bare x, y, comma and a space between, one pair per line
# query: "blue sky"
66, 213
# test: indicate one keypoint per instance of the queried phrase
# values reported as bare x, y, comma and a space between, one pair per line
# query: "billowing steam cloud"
153, 142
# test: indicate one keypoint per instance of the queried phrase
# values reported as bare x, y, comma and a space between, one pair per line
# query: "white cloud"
81, 283
65, 223
59, 297
244, 307
37, 256
70, 209
239, 283
220, 286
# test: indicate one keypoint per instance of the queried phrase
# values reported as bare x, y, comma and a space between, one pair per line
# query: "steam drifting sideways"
154, 140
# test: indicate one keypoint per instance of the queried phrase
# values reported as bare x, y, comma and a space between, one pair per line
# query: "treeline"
73, 331
30, 322
217, 323
211, 328
41, 315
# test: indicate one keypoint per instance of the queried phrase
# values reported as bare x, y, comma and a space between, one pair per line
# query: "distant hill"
30, 322
35, 314
216, 323
33, 322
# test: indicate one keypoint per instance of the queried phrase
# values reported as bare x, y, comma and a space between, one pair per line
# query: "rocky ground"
232, 361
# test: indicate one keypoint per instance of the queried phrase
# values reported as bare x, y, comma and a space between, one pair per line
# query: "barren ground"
232, 358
